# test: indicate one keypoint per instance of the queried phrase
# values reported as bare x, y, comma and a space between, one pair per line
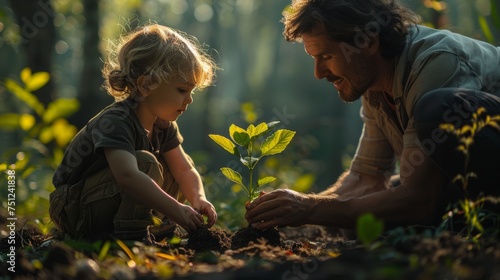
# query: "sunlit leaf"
232, 175
37, 80
277, 142
12, 121
304, 182
58, 155
166, 256
224, 142
26, 75
26, 121
465, 129
494, 124
260, 129
104, 250
28, 171
236, 188
250, 117
265, 180
448, 127
63, 132
25, 96
126, 249
174, 240
165, 271
46, 135
60, 108
234, 128
368, 228
486, 29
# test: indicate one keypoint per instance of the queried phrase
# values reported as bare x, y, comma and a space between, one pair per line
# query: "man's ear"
141, 86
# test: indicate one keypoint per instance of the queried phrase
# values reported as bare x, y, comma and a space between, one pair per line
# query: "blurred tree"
38, 34
92, 99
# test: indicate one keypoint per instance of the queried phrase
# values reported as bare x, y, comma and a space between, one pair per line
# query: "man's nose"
320, 71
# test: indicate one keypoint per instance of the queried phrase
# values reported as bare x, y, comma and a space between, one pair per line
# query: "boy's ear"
141, 86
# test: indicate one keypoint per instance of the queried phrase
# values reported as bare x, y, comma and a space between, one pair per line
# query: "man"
410, 79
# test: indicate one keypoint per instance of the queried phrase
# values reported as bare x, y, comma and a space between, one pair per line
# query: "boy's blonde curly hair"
158, 53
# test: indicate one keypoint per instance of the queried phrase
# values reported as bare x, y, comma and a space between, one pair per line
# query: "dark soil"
243, 237
308, 252
216, 239
209, 239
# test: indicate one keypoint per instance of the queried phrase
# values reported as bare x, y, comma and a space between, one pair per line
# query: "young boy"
128, 159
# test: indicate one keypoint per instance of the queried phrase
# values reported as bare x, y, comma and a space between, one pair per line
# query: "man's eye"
182, 90
326, 57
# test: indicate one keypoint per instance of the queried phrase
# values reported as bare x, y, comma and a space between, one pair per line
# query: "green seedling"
253, 149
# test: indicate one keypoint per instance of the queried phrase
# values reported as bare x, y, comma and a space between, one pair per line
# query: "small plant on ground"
472, 209
253, 149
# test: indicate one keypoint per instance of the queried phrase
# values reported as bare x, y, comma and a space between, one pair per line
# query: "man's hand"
279, 208
206, 208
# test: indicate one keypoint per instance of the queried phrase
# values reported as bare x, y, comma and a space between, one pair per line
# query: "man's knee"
452, 105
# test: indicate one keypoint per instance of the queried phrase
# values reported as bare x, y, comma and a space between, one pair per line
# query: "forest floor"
307, 252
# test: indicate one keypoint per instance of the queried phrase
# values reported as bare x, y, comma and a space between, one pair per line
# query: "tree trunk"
38, 34
92, 98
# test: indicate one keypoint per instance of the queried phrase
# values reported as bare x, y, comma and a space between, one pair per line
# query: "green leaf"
26, 75
270, 128
60, 108
63, 132
232, 175
486, 29
304, 182
241, 138
259, 130
104, 250
13, 121
25, 96
37, 81
265, 180
224, 142
234, 128
277, 142
368, 228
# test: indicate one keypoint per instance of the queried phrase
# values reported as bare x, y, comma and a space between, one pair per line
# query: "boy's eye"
182, 90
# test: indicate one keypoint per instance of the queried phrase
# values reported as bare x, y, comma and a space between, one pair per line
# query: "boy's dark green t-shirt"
117, 127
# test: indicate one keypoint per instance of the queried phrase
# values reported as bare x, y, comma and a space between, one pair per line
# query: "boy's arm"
139, 185
189, 181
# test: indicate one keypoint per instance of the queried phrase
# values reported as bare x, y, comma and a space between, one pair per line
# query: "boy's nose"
189, 99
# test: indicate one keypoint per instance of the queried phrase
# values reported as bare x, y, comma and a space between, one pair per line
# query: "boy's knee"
149, 164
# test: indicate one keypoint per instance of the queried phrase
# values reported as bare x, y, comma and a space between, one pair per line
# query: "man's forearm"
395, 206
330, 210
352, 184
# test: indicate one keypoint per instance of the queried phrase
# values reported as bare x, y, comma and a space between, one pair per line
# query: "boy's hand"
187, 218
206, 208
